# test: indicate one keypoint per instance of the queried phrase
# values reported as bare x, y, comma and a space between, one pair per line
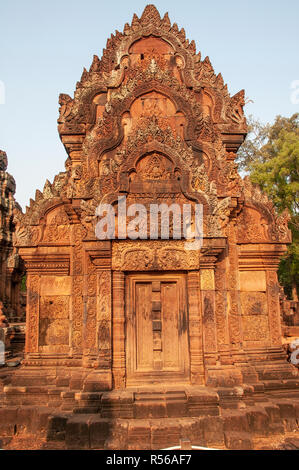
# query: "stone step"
238, 440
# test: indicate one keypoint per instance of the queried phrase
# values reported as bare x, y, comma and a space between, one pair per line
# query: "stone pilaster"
195, 328
118, 332
32, 313
273, 308
234, 305
221, 303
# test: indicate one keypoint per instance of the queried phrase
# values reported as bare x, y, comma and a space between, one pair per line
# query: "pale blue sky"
45, 45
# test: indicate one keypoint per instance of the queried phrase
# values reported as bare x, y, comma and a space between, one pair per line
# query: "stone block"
57, 427
252, 281
287, 409
236, 421
77, 432
55, 285
238, 440
150, 409
212, 430
98, 432
259, 421
139, 435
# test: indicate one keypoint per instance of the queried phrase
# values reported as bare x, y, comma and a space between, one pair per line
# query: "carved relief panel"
254, 307
56, 229
54, 325
149, 255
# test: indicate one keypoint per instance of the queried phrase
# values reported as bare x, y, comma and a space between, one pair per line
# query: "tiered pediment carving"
259, 222
149, 116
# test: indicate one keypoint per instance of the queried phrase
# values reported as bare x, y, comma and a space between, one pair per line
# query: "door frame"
158, 377
195, 327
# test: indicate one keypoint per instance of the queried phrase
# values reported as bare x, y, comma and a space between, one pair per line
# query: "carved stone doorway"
157, 350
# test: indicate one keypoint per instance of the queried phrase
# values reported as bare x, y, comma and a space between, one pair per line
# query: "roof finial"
150, 15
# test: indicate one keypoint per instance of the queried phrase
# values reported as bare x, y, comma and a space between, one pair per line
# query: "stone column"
77, 306
16, 300
234, 304
98, 292
9, 293
32, 313
221, 304
207, 286
195, 328
104, 323
90, 314
118, 333
273, 308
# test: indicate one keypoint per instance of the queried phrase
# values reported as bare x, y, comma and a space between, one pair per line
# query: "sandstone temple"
11, 268
12, 299
140, 343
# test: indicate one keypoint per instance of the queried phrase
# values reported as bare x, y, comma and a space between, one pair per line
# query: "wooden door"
156, 329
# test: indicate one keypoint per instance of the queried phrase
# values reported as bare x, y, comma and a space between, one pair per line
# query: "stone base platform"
231, 429
147, 417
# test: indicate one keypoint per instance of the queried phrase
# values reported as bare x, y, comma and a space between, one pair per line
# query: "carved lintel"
100, 254
150, 255
47, 263
210, 252
260, 256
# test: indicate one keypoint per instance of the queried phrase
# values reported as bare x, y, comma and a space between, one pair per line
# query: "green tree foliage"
270, 155
23, 283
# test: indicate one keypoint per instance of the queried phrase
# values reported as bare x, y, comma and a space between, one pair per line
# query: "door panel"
143, 326
156, 334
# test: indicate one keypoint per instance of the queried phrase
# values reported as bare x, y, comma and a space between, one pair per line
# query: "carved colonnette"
207, 288
118, 332
32, 317
234, 294
195, 328
97, 315
99, 285
221, 302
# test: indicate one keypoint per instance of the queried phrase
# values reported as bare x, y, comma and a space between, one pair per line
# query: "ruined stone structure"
138, 329
11, 269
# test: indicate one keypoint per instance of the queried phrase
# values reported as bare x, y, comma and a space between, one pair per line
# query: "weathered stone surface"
158, 340
151, 121
11, 267
238, 440
252, 281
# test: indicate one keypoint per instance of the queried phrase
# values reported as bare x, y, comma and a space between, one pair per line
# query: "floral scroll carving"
151, 255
